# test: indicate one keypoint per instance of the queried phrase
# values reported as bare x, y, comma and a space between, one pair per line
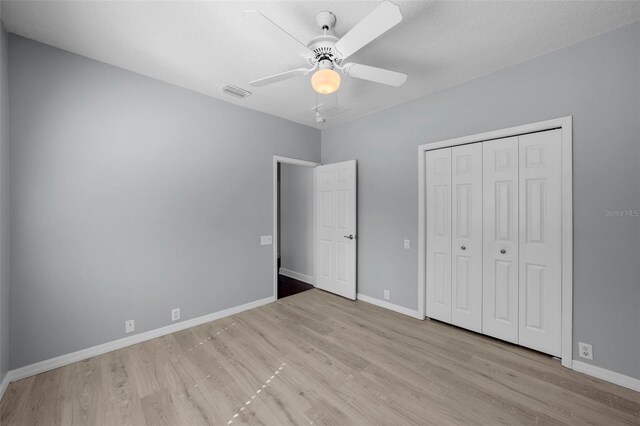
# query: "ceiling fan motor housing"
322, 45
325, 63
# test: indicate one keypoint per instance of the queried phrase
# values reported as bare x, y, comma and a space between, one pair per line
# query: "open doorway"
294, 226
333, 201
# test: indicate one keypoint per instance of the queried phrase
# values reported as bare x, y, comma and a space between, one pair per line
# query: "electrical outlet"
175, 314
129, 326
386, 294
585, 350
266, 240
407, 244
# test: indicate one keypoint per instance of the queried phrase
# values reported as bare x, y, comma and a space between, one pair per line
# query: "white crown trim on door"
60, 361
396, 308
297, 276
607, 375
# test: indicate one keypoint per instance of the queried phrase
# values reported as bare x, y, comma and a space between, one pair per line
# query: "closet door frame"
566, 125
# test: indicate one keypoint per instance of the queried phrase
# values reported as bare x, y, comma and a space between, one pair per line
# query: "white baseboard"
390, 306
607, 375
60, 361
4, 384
579, 366
297, 276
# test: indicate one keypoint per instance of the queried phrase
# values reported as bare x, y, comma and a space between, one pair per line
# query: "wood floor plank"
13, 404
159, 409
121, 398
47, 397
318, 359
83, 402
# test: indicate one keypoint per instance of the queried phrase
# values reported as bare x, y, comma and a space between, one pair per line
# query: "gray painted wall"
4, 229
296, 218
130, 197
598, 82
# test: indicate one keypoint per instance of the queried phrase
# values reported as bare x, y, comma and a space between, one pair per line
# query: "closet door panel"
540, 232
438, 209
466, 200
500, 239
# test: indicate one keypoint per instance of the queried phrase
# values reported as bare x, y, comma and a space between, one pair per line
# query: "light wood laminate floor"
315, 358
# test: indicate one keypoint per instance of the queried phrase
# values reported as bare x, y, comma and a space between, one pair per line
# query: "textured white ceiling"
202, 45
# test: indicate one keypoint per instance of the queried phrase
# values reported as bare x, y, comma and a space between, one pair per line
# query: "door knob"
503, 251
350, 236
463, 247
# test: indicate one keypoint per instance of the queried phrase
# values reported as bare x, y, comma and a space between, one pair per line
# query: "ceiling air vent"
234, 91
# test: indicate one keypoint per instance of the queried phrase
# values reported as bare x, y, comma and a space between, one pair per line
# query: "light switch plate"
407, 244
266, 240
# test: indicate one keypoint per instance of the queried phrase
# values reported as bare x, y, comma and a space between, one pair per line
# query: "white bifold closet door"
466, 230
500, 251
540, 242
494, 238
438, 211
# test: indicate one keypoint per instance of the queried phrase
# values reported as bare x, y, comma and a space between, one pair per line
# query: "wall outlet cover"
266, 240
585, 350
407, 244
175, 314
386, 294
129, 326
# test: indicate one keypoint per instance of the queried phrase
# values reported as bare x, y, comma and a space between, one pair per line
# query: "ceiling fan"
326, 53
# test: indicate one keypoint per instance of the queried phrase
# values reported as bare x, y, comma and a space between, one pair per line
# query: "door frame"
566, 125
276, 203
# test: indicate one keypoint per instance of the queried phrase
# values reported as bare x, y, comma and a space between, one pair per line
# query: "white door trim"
566, 124
276, 160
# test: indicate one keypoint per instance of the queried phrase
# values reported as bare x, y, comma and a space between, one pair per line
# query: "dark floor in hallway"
288, 286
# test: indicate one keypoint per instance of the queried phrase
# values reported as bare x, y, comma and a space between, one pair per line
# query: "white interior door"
500, 235
466, 201
438, 221
336, 228
540, 242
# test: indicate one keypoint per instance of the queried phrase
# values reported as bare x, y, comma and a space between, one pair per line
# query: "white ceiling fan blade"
279, 77
382, 19
378, 75
283, 37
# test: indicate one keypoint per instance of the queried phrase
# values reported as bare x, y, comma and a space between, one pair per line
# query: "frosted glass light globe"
325, 81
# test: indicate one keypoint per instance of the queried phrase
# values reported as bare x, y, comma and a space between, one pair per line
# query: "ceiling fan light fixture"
325, 81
